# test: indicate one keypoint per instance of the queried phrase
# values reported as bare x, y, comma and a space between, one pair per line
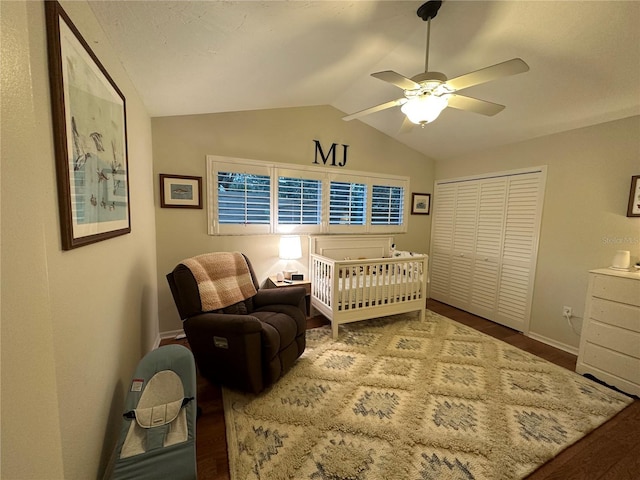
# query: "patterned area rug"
396, 398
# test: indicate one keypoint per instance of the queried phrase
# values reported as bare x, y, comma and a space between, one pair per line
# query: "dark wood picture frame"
180, 191
633, 209
90, 137
420, 203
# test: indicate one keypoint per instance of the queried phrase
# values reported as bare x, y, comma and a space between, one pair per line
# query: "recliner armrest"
224, 322
279, 296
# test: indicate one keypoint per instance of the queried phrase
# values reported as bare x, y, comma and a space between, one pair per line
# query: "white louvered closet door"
484, 245
488, 248
464, 240
442, 240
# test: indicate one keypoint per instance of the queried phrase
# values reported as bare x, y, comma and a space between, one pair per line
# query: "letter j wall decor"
90, 138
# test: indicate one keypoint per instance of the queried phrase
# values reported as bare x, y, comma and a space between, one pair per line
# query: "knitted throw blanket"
223, 279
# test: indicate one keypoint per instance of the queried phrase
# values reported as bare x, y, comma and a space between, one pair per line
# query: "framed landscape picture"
90, 138
420, 203
180, 191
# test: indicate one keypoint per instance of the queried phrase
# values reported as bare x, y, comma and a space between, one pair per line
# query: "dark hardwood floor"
611, 452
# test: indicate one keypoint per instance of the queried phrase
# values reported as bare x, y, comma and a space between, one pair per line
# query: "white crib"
353, 278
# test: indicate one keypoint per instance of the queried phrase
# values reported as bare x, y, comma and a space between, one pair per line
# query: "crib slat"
362, 284
375, 285
341, 292
414, 276
329, 285
405, 282
355, 290
387, 281
401, 282
344, 291
370, 285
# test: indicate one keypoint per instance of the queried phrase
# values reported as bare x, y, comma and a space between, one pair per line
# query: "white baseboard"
164, 335
171, 334
562, 346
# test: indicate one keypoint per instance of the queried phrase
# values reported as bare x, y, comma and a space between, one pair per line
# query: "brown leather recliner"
248, 345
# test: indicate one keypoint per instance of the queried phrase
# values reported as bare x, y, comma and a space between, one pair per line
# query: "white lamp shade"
290, 247
621, 260
424, 108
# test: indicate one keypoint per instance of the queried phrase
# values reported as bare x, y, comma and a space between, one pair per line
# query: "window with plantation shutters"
244, 199
299, 203
247, 197
387, 205
239, 198
347, 203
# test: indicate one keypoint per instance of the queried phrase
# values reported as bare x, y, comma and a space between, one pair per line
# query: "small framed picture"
420, 203
180, 191
633, 210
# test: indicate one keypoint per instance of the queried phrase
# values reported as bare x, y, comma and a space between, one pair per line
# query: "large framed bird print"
90, 137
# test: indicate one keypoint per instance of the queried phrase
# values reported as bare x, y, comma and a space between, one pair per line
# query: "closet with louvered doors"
484, 244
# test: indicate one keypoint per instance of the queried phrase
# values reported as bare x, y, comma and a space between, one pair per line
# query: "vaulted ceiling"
218, 56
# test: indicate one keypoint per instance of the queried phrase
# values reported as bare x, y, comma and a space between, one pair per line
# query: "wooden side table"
272, 282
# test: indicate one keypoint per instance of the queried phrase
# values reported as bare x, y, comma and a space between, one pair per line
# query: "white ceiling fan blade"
471, 104
396, 79
504, 69
377, 108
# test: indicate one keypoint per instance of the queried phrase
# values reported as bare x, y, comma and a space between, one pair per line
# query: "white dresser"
610, 340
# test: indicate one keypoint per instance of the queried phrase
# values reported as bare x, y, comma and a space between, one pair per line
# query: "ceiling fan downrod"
426, 55
426, 12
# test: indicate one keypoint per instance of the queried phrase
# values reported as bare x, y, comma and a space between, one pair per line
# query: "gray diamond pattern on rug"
397, 398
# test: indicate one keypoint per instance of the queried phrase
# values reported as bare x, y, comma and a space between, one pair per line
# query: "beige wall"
76, 323
180, 145
584, 220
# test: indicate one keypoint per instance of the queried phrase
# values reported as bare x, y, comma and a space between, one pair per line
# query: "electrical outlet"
567, 312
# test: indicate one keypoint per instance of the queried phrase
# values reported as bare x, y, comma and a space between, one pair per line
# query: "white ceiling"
217, 56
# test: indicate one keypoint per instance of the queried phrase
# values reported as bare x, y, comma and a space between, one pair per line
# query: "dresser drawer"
614, 338
612, 362
616, 289
618, 314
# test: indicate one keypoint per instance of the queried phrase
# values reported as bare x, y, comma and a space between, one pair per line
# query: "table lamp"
290, 249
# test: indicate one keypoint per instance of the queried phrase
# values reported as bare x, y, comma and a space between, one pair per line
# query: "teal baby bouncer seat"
158, 433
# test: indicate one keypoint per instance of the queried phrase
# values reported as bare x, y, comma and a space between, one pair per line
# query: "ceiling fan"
428, 93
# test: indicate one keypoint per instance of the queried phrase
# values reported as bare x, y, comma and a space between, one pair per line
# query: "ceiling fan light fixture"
424, 108
427, 94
